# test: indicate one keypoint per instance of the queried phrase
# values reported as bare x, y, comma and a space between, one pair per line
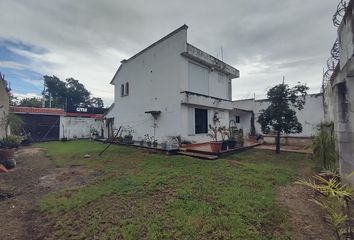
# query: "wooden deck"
193, 150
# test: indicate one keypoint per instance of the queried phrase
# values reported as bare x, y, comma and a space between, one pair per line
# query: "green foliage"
77, 94
30, 102
333, 198
152, 196
324, 146
11, 122
279, 116
96, 102
213, 132
11, 141
70, 92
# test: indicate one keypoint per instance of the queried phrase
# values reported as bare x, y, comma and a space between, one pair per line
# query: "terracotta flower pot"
224, 145
231, 144
215, 147
7, 154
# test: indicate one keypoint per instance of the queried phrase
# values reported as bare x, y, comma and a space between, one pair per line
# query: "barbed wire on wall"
340, 12
333, 61
331, 64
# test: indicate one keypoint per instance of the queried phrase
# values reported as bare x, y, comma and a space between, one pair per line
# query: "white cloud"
12, 65
27, 95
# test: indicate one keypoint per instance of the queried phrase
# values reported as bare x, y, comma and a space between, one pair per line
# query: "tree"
55, 92
96, 102
31, 102
280, 116
71, 92
77, 94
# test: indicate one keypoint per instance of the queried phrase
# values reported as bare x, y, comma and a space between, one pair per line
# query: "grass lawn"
140, 195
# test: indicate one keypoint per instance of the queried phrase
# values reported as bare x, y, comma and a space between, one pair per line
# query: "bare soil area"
307, 219
21, 188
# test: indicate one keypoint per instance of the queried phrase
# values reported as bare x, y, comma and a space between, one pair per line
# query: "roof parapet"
204, 58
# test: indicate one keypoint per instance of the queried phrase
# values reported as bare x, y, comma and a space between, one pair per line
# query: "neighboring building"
310, 117
4, 104
46, 124
172, 88
339, 91
42, 124
81, 122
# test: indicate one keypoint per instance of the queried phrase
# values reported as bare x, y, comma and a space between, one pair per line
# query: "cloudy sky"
87, 39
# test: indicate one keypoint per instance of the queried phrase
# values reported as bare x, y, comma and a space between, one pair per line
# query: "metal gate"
41, 127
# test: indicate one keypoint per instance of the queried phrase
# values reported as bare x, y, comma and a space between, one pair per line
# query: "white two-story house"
172, 88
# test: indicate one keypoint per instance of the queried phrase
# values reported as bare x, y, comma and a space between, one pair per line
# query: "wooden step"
198, 155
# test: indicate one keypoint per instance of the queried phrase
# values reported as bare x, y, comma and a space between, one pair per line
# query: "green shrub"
324, 146
11, 141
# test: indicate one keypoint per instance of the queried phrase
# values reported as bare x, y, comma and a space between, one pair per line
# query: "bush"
11, 141
324, 146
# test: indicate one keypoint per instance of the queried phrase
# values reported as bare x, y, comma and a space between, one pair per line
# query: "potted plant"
128, 137
10, 123
155, 143
240, 140
148, 140
94, 134
224, 135
164, 145
141, 141
7, 150
213, 133
231, 143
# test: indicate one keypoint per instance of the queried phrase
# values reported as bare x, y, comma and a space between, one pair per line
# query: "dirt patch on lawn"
67, 178
22, 187
306, 218
108, 217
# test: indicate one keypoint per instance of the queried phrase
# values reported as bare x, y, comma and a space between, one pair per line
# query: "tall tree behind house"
60, 94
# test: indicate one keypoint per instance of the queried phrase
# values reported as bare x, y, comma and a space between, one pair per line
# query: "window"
220, 78
127, 89
237, 119
201, 120
122, 90
198, 79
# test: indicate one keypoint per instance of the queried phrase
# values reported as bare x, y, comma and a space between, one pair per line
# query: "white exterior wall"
155, 79
4, 106
310, 117
77, 127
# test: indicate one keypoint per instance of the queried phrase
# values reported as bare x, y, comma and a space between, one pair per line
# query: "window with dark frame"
122, 90
201, 120
237, 119
127, 89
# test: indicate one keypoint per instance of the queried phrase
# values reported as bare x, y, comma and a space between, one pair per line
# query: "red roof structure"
52, 111
40, 111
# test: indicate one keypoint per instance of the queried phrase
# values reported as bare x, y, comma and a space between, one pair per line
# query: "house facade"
172, 89
4, 104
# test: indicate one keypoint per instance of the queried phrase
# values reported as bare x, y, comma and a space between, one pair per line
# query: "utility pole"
222, 53
50, 100
43, 95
